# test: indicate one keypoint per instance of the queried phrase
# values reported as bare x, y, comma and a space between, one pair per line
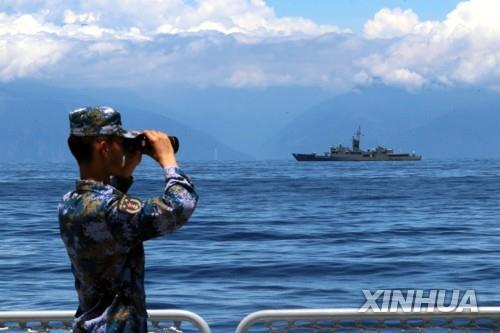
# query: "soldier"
103, 228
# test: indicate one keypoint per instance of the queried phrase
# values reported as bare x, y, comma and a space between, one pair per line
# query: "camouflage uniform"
103, 229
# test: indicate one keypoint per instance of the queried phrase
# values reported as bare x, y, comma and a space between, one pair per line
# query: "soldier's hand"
162, 152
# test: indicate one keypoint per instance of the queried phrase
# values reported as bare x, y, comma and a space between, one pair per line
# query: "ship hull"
355, 157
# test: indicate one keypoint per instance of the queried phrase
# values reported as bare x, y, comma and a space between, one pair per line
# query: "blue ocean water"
275, 234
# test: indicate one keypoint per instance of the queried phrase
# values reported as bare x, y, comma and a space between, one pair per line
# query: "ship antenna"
356, 139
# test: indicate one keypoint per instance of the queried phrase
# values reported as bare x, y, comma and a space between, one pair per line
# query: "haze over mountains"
440, 123
235, 124
34, 124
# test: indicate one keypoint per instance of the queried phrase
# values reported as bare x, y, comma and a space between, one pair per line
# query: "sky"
335, 45
354, 13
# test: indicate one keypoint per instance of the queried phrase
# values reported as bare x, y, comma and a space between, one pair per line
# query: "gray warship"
341, 153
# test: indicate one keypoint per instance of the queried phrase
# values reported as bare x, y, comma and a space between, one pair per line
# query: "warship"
341, 153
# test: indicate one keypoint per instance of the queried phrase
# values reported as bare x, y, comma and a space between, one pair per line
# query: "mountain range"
439, 123
246, 124
34, 125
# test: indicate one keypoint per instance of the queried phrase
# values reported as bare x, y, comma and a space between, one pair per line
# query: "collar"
84, 185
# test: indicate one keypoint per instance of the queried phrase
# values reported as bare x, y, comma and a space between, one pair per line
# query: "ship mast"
355, 139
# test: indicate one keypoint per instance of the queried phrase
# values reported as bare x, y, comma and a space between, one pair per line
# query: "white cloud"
254, 76
24, 24
105, 48
390, 23
464, 48
98, 28
244, 43
21, 53
175, 16
71, 17
239, 16
391, 75
24, 56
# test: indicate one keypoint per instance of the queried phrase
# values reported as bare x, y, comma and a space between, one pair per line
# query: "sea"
274, 235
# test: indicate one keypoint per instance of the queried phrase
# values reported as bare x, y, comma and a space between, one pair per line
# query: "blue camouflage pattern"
103, 230
95, 121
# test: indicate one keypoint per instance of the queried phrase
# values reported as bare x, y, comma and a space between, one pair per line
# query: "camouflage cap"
97, 120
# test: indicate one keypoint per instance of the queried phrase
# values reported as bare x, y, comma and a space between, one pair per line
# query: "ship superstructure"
341, 153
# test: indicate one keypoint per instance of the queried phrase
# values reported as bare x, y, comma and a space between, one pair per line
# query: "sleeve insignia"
129, 205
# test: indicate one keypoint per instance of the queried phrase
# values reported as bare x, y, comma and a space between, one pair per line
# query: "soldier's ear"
101, 146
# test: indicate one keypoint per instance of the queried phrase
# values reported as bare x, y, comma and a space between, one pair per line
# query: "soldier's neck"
91, 171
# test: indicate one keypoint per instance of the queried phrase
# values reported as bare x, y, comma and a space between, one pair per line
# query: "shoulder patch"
129, 205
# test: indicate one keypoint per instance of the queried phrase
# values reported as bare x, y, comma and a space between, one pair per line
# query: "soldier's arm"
131, 220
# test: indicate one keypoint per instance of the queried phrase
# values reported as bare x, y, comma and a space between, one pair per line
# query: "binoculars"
142, 144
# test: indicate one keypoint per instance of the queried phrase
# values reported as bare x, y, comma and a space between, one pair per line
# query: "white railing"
487, 319
46, 320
